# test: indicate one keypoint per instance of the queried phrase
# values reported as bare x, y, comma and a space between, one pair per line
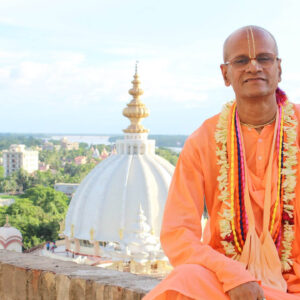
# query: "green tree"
168, 154
37, 214
50, 200
8, 184
44, 178
27, 218
23, 180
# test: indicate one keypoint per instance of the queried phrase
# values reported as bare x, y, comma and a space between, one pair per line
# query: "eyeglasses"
264, 60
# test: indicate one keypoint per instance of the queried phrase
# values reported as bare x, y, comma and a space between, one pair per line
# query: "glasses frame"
230, 62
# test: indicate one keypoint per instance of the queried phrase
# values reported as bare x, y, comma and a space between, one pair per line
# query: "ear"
279, 69
224, 70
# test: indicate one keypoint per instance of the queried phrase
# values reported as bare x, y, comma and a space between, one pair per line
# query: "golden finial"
92, 231
136, 109
121, 233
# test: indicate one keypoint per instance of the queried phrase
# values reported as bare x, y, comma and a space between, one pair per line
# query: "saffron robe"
201, 269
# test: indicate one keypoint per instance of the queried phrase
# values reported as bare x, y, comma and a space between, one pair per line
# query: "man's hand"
247, 291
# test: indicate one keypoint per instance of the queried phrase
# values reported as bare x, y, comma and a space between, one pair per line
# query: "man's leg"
188, 282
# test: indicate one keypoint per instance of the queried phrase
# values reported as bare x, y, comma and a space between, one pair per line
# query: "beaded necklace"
234, 223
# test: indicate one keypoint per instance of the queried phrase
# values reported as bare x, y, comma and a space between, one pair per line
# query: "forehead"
240, 42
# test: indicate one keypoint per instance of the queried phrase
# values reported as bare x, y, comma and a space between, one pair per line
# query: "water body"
175, 149
89, 139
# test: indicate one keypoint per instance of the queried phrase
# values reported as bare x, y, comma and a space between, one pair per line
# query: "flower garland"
287, 154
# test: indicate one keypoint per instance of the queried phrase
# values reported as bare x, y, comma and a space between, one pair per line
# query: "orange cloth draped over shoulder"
201, 269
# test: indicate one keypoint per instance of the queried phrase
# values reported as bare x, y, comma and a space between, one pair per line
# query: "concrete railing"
31, 277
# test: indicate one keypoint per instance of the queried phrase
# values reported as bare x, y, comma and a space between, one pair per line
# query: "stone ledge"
27, 276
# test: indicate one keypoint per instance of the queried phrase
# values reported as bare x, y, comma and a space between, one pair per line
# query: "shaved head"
247, 32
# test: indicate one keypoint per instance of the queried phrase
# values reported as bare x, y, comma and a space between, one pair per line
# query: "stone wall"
31, 277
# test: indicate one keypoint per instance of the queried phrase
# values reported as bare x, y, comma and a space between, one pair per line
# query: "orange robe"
201, 269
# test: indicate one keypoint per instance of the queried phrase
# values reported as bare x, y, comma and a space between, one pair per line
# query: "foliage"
39, 209
62, 169
101, 147
50, 200
37, 214
6, 140
168, 154
1, 172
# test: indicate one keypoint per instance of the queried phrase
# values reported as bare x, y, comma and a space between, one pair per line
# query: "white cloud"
11, 56
67, 79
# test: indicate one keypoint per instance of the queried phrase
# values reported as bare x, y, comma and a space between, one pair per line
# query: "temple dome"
109, 201
10, 238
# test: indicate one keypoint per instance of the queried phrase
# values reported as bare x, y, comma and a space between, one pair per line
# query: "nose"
253, 66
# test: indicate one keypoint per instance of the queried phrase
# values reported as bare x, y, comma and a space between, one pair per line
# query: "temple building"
10, 238
117, 210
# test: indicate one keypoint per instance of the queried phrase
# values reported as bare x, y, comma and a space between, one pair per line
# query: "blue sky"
66, 66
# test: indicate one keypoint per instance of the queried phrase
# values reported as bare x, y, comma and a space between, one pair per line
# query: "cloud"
67, 78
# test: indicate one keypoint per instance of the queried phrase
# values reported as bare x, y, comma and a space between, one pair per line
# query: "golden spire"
136, 109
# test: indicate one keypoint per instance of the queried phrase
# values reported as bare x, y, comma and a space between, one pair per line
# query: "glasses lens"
265, 59
241, 62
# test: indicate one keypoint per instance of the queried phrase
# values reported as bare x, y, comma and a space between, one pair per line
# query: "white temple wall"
12, 247
135, 147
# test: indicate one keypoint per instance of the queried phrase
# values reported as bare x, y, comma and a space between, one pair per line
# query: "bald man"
245, 163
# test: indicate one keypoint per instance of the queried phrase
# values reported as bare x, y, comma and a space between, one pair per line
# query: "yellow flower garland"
289, 183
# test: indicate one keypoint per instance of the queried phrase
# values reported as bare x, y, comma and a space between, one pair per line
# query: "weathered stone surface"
62, 287
20, 283
27, 276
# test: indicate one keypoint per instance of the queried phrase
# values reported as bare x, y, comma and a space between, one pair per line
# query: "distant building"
43, 167
66, 188
68, 145
80, 160
18, 158
113, 151
95, 152
104, 154
48, 146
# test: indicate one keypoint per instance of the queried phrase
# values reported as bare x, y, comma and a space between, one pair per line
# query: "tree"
50, 200
23, 180
8, 184
168, 154
37, 214
27, 218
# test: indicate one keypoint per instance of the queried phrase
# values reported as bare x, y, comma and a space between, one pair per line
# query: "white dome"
9, 235
108, 200
8, 232
121, 201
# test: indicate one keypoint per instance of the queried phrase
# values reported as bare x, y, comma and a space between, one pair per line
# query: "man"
245, 162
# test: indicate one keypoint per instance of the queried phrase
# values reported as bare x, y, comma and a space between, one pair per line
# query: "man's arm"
181, 229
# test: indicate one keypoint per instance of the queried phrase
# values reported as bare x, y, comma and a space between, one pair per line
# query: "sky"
66, 66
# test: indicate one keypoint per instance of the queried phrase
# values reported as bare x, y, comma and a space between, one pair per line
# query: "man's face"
254, 79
